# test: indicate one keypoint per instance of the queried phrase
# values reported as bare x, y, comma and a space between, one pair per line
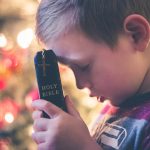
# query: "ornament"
4, 144
4, 72
2, 84
31, 96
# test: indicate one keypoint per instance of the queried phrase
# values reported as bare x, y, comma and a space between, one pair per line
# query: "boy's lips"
99, 98
102, 98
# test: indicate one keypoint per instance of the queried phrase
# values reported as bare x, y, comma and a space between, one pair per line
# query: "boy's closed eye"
83, 67
79, 66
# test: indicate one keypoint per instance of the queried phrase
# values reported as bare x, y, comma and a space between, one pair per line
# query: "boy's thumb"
71, 108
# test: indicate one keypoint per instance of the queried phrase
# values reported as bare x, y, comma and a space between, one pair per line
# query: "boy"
106, 44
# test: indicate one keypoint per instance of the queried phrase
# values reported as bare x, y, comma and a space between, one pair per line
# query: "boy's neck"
145, 86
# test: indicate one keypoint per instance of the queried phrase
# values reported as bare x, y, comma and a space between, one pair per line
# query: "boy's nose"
82, 83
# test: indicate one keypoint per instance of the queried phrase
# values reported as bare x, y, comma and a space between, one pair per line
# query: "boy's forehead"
69, 49
70, 53
68, 58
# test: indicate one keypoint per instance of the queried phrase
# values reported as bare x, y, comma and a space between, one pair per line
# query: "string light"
25, 38
3, 40
9, 118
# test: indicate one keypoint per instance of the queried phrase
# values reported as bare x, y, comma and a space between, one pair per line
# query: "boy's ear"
139, 30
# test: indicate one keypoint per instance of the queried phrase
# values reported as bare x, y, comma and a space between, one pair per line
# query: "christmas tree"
18, 85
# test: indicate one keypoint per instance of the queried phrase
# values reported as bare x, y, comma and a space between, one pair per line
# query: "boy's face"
105, 71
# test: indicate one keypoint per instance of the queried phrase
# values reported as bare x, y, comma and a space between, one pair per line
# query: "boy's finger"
39, 137
36, 114
40, 124
42, 146
51, 109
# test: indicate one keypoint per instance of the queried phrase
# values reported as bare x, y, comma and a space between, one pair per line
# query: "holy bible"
48, 78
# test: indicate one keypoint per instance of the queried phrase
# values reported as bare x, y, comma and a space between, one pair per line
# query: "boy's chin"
114, 103
103, 99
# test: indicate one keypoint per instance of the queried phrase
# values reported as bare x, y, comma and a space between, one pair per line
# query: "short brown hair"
98, 19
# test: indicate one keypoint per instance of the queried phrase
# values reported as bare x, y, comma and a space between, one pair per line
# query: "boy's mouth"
101, 98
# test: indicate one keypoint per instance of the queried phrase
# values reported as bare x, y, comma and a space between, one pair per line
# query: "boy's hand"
63, 131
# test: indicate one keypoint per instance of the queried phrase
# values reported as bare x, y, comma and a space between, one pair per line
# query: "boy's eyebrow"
66, 61
63, 60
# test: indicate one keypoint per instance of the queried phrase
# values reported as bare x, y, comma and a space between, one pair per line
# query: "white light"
25, 37
9, 117
3, 40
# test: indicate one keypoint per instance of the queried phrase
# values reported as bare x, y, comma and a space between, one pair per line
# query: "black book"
48, 78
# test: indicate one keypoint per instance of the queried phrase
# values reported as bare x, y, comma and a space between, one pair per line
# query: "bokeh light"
9, 118
25, 38
3, 40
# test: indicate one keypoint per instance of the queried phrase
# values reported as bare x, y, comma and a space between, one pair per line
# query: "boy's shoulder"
142, 111
137, 107
124, 127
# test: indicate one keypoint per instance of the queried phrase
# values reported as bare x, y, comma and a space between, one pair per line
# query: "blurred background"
18, 86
